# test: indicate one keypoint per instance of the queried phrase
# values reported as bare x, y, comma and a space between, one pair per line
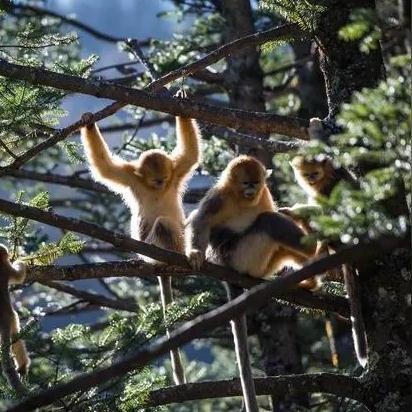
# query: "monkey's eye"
306, 174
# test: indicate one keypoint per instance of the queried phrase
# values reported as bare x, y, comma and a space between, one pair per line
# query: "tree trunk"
344, 66
385, 284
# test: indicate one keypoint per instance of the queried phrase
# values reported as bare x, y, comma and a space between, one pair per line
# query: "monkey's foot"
196, 258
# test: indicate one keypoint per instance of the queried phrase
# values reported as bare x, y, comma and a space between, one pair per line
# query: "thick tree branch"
140, 268
249, 301
339, 385
259, 122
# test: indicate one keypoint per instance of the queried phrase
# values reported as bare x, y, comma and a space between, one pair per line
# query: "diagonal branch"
92, 298
259, 122
339, 385
249, 301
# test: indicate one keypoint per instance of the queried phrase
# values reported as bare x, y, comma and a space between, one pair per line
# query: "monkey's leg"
6, 321
239, 331
19, 347
164, 234
358, 326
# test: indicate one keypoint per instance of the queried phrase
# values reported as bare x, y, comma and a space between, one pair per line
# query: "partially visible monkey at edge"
237, 225
152, 187
9, 319
318, 177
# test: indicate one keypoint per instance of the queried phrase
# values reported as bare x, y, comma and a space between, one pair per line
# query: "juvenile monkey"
318, 177
9, 319
152, 187
236, 225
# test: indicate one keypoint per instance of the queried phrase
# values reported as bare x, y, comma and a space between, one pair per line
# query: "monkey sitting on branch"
237, 225
152, 186
9, 319
318, 177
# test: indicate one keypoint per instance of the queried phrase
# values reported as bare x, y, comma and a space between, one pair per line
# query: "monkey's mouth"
249, 194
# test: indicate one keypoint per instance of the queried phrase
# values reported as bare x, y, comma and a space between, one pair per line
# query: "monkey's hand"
196, 258
87, 120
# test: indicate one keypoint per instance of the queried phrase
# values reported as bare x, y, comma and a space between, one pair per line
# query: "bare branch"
140, 268
92, 298
339, 385
249, 301
255, 39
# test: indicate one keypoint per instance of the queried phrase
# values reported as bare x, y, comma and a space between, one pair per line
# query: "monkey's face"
155, 169
311, 173
248, 177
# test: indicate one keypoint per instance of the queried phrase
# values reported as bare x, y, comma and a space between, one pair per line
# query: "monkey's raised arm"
186, 154
115, 173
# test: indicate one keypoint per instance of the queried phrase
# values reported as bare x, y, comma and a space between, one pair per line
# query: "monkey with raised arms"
152, 187
9, 319
237, 225
318, 177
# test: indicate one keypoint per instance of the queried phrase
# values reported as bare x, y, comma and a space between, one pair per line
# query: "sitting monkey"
236, 225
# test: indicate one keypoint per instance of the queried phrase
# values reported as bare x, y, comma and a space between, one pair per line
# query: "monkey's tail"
358, 326
239, 331
166, 294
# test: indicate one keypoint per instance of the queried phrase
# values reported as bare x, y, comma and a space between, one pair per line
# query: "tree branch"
249, 301
191, 196
259, 122
140, 268
92, 298
339, 385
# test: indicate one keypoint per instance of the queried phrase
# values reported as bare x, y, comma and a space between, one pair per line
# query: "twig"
92, 298
11, 7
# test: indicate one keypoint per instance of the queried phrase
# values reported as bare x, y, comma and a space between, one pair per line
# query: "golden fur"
9, 320
136, 180
152, 187
256, 254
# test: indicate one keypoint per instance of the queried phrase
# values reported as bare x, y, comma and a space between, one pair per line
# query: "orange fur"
313, 175
136, 180
152, 186
9, 324
256, 254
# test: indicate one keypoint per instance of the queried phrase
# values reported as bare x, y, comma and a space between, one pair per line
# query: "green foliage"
376, 141
49, 252
305, 13
363, 27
